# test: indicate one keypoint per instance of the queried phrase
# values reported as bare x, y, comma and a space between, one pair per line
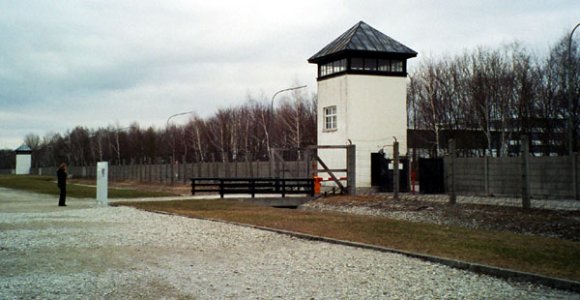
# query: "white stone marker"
102, 183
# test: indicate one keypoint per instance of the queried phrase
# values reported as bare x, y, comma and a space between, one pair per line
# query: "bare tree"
33, 141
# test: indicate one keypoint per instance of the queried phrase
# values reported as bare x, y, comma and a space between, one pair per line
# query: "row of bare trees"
506, 92
502, 92
239, 133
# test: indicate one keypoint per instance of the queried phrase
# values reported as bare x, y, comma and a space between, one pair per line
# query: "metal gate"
279, 164
379, 171
431, 176
382, 173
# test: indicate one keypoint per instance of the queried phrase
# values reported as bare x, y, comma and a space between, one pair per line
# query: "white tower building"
23, 160
361, 96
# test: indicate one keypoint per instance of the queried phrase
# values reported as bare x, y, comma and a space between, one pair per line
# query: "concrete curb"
508, 274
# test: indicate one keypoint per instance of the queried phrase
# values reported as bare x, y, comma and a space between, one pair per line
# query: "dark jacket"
61, 176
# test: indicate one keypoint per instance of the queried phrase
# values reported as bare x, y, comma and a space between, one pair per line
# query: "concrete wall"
505, 175
549, 177
371, 110
165, 173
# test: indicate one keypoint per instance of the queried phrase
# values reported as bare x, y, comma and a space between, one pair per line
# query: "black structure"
379, 171
545, 136
362, 50
431, 176
253, 186
382, 176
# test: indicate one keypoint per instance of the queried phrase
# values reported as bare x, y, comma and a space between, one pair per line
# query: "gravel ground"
550, 218
88, 252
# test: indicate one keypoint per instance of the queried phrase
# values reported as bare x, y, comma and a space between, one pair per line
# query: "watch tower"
362, 95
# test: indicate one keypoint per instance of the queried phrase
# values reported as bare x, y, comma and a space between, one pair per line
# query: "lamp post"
284, 90
272, 112
175, 115
173, 143
570, 95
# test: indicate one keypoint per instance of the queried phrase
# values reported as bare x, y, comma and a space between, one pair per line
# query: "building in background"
23, 160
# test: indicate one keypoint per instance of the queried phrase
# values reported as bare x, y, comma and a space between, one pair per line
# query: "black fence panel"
382, 173
431, 176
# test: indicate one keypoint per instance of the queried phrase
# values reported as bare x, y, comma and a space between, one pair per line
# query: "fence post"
525, 170
486, 174
172, 170
396, 170
306, 158
149, 168
351, 169
253, 187
452, 196
283, 188
272, 163
184, 169
575, 176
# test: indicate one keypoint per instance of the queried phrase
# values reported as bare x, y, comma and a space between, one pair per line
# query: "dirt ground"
552, 223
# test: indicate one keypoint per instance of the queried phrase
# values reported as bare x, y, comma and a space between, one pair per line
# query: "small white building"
362, 91
23, 160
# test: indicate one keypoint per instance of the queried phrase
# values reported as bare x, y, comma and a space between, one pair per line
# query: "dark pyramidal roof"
363, 38
23, 148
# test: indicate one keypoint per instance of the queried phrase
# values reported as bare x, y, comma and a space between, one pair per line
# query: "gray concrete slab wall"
182, 172
549, 177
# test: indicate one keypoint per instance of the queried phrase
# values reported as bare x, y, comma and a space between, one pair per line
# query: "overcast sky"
107, 62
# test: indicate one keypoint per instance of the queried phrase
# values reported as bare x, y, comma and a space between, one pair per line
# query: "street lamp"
175, 115
173, 143
167, 128
272, 111
284, 90
570, 94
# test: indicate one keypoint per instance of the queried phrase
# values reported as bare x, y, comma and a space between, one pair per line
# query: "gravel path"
88, 252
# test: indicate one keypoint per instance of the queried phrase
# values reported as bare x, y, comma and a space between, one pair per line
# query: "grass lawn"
47, 185
528, 253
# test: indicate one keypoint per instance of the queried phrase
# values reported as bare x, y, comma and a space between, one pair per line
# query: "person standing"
61, 175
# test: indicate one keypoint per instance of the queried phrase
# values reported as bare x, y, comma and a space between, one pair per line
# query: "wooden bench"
253, 186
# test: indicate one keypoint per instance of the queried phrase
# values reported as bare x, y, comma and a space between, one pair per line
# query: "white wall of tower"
23, 164
371, 110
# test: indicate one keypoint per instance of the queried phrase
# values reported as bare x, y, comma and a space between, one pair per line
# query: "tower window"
339, 66
370, 64
384, 65
397, 66
363, 65
376, 65
332, 67
330, 117
356, 63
